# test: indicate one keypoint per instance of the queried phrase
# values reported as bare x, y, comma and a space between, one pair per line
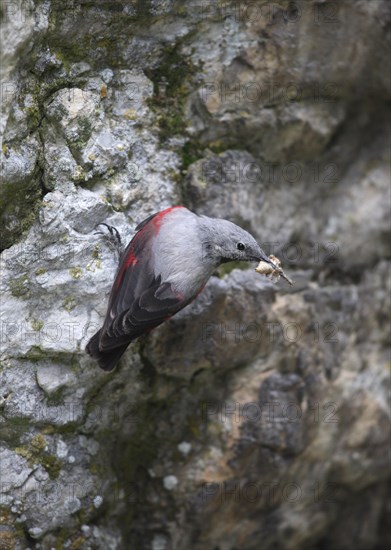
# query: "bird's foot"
113, 239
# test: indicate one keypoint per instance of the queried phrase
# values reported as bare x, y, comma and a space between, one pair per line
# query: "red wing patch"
129, 260
131, 254
157, 218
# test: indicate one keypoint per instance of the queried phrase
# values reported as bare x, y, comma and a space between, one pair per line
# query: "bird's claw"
112, 230
113, 238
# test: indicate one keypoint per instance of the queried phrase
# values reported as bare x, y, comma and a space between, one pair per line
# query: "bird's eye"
240, 246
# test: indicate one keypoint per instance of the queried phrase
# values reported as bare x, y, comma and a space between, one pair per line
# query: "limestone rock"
258, 416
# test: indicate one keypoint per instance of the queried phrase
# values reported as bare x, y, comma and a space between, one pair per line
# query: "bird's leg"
113, 239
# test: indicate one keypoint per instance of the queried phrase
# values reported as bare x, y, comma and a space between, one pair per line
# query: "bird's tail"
107, 360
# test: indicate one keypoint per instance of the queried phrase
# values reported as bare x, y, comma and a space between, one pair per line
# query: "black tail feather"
107, 360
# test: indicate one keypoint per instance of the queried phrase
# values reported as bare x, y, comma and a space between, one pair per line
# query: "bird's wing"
139, 300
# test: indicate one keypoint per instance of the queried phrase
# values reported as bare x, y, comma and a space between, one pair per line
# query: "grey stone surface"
259, 415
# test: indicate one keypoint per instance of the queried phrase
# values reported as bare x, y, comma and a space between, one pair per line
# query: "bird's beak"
265, 258
280, 271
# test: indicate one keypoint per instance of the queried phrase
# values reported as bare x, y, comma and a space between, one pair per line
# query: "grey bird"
164, 268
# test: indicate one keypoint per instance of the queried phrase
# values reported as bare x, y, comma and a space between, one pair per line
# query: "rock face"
256, 417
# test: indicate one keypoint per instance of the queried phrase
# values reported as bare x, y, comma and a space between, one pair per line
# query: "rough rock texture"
258, 416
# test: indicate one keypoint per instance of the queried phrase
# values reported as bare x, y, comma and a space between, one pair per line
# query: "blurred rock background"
258, 416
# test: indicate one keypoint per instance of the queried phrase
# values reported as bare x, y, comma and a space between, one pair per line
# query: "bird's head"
223, 241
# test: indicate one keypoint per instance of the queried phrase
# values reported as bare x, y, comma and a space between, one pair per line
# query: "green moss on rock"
36, 324
33, 116
69, 303
35, 453
76, 272
19, 287
171, 81
35, 354
14, 429
8, 538
19, 206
